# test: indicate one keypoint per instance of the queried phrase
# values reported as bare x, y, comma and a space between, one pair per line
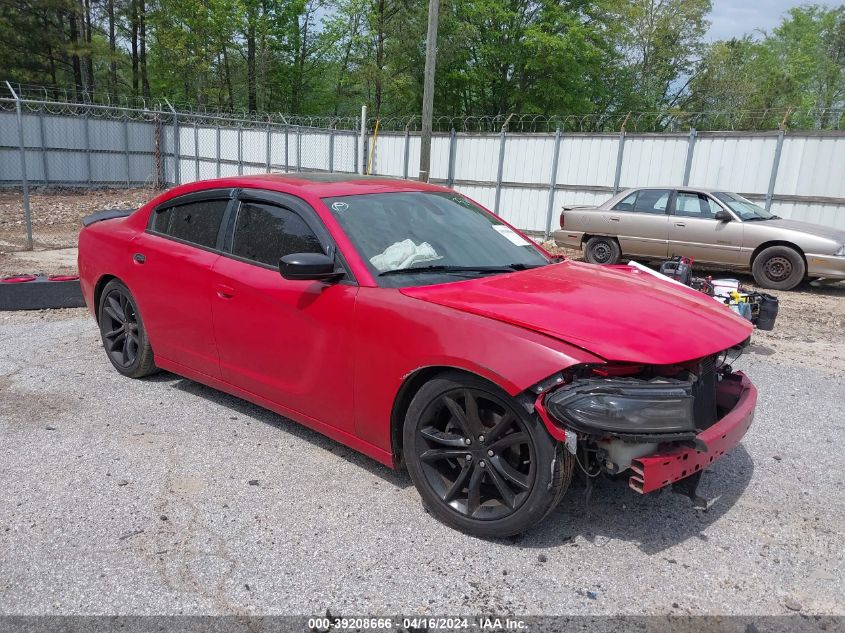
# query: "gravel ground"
57, 213
163, 496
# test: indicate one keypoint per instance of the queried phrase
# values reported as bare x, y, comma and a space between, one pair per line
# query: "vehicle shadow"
249, 411
605, 511
611, 511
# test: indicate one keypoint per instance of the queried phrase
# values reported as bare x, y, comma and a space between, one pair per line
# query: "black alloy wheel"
476, 454
480, 462
122, 331
120, 328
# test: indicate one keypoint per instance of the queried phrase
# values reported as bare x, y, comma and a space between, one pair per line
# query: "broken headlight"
625, 405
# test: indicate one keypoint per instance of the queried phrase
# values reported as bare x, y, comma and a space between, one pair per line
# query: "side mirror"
308, 266
723, 216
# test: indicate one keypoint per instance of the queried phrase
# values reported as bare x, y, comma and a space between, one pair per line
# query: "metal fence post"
126, 150
269, 143
407, 152
218, 149
690, 150
619, 155
87, 135
27, 216
196, 151
177, 146
43, 148
331, 148
775, 164
363, 156
298, 148
552, 183
287, 148
500, 170
240, 149
453, 142
355, 155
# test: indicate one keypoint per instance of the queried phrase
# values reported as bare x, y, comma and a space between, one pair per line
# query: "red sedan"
407, 322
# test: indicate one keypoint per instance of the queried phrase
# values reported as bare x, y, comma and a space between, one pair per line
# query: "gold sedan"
710, 226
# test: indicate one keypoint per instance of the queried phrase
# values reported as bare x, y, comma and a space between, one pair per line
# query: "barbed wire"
64, 101
643, 122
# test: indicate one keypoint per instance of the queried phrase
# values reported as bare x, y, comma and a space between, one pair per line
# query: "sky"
734, 18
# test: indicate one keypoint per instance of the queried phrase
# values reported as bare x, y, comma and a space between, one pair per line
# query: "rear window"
195, 222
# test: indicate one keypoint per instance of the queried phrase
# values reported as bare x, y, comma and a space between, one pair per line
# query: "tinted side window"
695, 205
265, 233
651, 201
195, 222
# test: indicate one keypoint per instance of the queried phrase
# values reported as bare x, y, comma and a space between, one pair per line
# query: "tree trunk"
133, 25
112, 49
86, 30
228, 74
142, 36
73, 18
379, 59
250, 60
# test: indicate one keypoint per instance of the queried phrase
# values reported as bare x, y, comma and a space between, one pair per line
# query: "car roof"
317, 184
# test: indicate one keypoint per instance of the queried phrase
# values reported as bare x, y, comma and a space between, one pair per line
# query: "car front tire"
122, 331
602, 250
480, 462
779, 268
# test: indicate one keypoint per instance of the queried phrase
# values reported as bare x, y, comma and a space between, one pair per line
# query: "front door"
286, 341
695, 232
640, 223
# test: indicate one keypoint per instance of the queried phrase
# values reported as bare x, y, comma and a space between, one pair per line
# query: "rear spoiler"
108, 214
570, 207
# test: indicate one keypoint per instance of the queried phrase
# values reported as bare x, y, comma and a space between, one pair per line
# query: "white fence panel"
812, 166
653, 160
587, 160
733, 162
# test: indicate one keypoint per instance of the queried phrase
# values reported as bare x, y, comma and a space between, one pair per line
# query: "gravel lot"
135, 497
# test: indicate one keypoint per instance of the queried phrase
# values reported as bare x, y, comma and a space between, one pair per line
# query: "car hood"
618, 313
826, 232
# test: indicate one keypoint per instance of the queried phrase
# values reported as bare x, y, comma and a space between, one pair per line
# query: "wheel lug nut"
467, 441
469, 457
490, 452
480, 438
482, 464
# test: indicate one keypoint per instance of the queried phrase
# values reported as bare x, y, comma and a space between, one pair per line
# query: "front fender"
396, 336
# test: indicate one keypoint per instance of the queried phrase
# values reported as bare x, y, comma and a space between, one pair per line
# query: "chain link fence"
64, 154
60, 160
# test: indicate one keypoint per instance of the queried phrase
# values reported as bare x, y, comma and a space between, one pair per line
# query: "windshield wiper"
453, 269
757, 218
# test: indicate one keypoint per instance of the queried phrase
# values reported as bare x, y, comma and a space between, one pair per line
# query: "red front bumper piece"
663, 468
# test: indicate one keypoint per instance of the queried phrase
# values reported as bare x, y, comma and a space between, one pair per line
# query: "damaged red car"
411, 324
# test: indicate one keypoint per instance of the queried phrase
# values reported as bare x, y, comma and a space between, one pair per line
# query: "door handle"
225, 292
614, 218
139, 258
680, 224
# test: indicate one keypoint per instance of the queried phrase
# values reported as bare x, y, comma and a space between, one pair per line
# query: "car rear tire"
602, 250
779, 268
122, 330
509, 476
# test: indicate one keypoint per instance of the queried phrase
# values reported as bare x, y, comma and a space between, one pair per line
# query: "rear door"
641, 223
695, 232
288, 341
172, 262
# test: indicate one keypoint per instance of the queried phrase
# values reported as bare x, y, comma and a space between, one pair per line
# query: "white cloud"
735, 18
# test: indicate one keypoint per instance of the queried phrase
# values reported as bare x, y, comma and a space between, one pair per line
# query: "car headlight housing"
627, 405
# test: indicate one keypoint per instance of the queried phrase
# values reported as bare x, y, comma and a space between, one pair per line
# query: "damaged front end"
664, 425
